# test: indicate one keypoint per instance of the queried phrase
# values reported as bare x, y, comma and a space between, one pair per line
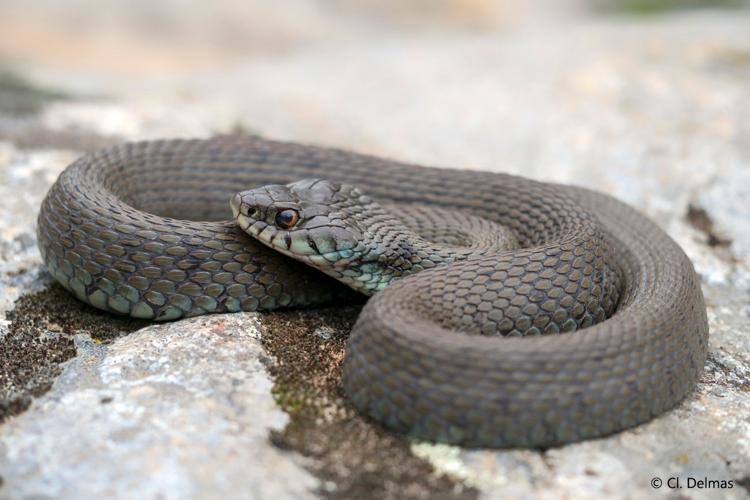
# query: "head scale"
312, 220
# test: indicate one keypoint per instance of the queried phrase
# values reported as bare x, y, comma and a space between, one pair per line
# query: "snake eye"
286, 219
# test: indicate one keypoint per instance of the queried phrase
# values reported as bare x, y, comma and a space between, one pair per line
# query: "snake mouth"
235, 204
258, 229
302, 247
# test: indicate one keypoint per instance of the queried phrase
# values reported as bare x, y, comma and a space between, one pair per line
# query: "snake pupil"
287, 218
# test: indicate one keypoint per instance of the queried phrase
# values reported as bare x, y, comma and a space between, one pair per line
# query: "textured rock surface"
652, 110
179, 410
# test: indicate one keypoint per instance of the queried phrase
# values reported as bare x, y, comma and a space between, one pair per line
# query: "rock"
170, 411
651, 110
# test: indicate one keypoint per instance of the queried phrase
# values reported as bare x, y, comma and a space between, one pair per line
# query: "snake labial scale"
596, 323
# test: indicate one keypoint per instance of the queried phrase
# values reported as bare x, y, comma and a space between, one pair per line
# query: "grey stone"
171, 411
24, 180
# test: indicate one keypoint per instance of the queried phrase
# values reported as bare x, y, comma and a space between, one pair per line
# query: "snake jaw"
235, 204
318, 235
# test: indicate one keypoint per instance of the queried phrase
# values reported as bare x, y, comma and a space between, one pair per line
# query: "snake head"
308, 220
324, 224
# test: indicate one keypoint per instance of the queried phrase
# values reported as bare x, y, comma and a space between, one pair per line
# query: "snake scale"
479, 352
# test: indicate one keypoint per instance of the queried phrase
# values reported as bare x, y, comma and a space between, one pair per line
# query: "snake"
501, 312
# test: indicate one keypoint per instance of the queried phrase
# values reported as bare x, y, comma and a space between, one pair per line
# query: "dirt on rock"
353, 456
40, 339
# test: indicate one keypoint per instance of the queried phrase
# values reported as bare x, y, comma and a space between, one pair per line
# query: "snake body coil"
466, 353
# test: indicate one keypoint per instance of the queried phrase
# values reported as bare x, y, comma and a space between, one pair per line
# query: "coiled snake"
473, 349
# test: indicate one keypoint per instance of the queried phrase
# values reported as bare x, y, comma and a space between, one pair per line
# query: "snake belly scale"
479, 352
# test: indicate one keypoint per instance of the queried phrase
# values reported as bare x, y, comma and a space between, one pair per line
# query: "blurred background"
141, 37
644, 99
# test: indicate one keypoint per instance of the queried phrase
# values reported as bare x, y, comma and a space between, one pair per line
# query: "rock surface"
652, 110
174, 411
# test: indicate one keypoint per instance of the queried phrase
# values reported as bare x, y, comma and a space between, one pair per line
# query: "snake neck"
390, 250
